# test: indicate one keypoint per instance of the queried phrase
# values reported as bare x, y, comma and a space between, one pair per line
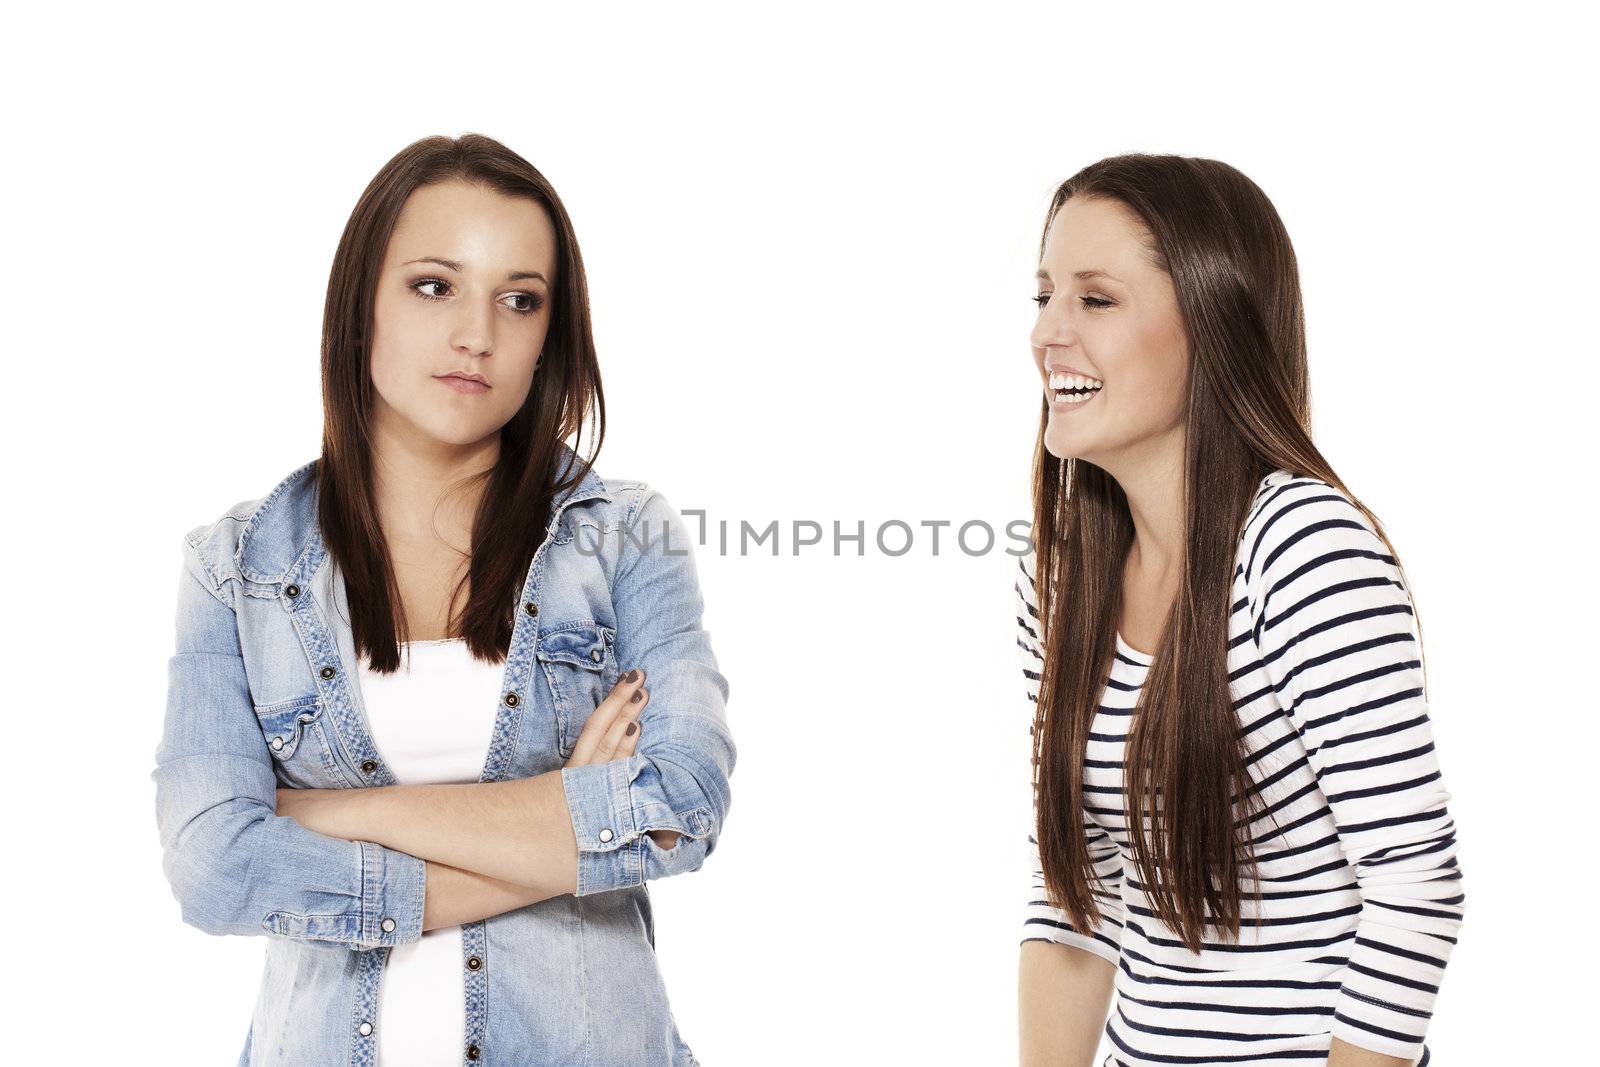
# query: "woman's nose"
1051, 328
474, 329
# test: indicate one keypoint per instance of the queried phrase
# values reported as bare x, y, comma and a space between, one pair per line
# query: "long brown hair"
1189, 800
512, 511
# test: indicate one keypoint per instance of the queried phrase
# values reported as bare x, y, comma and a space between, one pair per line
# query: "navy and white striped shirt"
1362, 894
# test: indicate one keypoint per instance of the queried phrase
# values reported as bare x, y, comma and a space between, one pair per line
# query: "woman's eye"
1087, 301
534, 303
527, 303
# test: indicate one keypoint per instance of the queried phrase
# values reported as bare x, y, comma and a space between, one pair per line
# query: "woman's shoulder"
628, 515
1302, 512
218, 543
613, 501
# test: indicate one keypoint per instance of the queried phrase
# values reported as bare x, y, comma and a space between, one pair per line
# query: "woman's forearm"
516, 831
1344, 1054
1063, 994
456, 896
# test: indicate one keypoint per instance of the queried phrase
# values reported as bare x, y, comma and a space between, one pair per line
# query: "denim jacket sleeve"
678, 778
235, 865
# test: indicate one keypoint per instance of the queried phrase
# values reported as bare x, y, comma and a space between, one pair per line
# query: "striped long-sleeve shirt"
1362, 893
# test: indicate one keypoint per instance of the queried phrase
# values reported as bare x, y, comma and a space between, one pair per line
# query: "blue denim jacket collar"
283, 535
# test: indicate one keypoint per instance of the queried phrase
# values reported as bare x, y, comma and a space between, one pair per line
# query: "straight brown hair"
510, 520
1190, 803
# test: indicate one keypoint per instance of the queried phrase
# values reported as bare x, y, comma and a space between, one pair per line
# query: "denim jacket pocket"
580, 667
293, 733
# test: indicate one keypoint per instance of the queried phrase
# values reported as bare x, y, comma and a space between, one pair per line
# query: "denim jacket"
263, 692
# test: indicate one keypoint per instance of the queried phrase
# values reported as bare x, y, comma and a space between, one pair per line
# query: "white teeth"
1060, 381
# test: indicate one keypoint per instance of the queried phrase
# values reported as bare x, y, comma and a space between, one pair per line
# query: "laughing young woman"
407, 735
1241, 827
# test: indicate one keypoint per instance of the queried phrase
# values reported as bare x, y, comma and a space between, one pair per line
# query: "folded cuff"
611, 826
394, 889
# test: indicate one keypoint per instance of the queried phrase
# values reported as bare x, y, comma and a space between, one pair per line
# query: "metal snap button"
531, 608
511, 700
277, 744
596, 655
368, 766
473, 963
388, 926
291, 590
472, 1052
606, 834
364, 1029
327, 672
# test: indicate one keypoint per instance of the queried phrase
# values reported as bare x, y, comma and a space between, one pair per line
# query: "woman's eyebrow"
514, 276
1081, 275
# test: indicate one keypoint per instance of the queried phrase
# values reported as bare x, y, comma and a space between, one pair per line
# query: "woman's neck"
1153, 486
427, 491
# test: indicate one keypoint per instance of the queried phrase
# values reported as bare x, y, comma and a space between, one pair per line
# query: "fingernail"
632, 726
631, 676
638, 695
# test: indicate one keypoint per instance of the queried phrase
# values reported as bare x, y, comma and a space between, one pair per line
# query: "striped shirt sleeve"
1041, 922
1335, 630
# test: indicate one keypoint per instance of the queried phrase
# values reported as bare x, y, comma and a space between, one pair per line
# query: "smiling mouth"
1073, 388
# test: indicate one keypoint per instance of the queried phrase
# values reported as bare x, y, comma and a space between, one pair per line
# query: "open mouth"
1074, 388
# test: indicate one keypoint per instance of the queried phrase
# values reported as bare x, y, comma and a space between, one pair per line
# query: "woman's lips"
1061, 406
463, 385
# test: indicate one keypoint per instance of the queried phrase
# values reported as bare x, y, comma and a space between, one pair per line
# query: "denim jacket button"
388, 926
511, 700
368, 766
474, 963
291, 590
531, 608
472, 1052
277, 744
606, 834
364, 1029
596, 655
327, 672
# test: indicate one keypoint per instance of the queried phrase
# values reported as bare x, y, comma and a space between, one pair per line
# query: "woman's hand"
612, 732
612, 729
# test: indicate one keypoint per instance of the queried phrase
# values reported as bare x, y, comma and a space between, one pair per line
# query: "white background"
810, 238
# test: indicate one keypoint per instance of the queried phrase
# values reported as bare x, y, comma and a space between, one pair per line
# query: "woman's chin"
1064, 445
450, 434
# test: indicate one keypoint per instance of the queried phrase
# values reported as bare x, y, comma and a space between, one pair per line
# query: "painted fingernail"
631, 676
638, 695
632, 726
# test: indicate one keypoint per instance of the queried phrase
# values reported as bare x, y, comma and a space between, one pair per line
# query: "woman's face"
465, 287
1112, 318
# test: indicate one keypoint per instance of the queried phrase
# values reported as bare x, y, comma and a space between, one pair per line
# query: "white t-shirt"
432, 721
